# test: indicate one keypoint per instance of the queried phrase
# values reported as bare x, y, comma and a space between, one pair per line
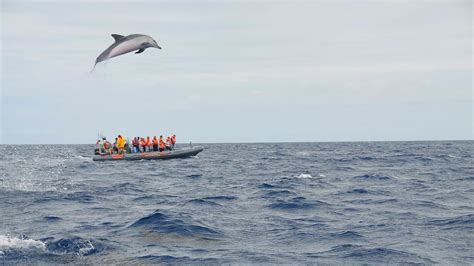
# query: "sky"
238, 71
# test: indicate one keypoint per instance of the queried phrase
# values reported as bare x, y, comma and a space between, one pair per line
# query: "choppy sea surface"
289, 203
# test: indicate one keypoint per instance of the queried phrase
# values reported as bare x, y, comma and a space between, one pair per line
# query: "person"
173, 141
155, 143
168, 144
107, 146
162, 144
127, 146
148, 144
135, 144
115, 148
120, 144
142, 145
99, 146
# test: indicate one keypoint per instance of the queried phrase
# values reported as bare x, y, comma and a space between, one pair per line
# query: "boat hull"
150, 155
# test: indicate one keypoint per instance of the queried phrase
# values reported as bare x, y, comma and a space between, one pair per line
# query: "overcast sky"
251, 71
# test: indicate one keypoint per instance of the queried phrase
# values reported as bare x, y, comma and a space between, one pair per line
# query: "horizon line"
266, 142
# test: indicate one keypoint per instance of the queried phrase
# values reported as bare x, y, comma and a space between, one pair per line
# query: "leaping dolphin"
126, 44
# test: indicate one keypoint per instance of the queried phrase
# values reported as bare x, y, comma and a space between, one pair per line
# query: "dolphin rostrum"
126, 44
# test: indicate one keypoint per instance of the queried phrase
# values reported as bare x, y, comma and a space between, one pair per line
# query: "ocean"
269, 203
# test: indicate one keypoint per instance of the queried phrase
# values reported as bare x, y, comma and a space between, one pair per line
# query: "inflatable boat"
181, 153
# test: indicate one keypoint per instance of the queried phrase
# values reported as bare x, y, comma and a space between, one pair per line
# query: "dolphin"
126, 44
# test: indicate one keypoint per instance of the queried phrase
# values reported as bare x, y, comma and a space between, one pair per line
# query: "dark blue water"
380, 202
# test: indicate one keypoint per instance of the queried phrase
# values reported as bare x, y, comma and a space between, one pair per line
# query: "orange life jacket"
162, 144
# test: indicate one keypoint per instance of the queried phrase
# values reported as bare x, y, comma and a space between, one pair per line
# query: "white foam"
7, 242
304, 176
88, 248
80, 157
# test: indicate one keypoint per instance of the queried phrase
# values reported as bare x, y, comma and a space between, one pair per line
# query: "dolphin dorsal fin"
117, 37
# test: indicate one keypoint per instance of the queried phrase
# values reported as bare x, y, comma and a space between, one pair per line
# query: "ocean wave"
346, 235
194, 176
459, 222
9, 245
83, 158
123, 188
74, 245
12, 248
373, 177
52, 218
358, 191
265, 185
223, 198
158, 222
376, 254
167, 259
372, 201
83, 197
297, 203
278, 193
202, 202
303, 176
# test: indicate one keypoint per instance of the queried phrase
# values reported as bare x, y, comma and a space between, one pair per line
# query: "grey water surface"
329, 203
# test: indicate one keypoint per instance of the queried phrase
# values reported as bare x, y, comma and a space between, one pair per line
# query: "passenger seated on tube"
103, 146
128, 148
155, 143
142, 145
173, 141
148, 144
162, 143
135, 144
168, 144
120, 144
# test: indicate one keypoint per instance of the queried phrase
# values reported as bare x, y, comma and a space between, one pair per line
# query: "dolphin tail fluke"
93, 67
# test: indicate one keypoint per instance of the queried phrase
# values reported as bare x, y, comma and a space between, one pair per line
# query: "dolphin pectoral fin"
117, 37
140, 51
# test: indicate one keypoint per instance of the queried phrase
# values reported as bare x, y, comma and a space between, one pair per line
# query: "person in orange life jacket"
173, 141
168, 144
142, 145
148, 144
162, 144
155, 143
